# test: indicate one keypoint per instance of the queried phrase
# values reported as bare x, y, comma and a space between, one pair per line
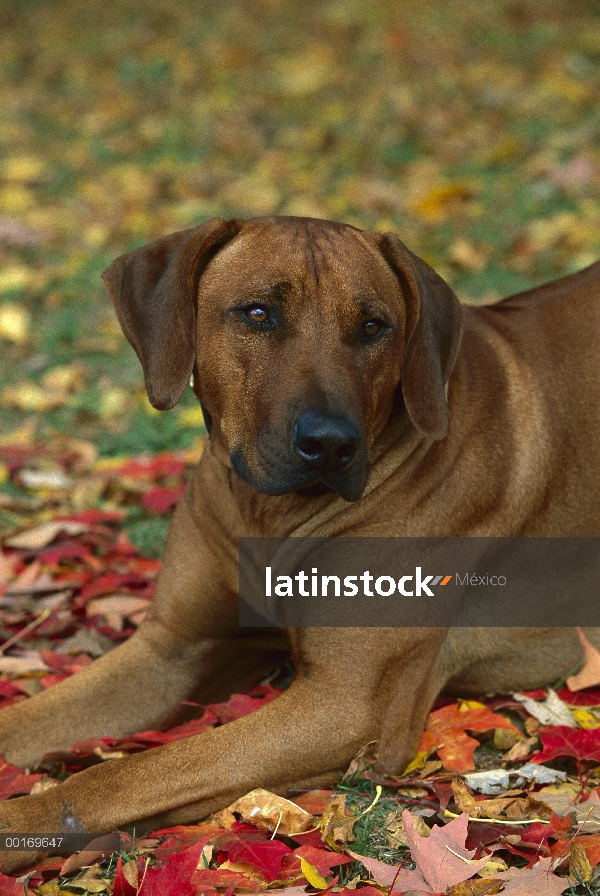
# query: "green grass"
128, 122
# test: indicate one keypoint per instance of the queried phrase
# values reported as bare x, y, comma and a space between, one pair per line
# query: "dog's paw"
32, 822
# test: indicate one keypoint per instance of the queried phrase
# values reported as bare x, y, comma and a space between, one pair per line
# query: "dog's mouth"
281, 480
314, 491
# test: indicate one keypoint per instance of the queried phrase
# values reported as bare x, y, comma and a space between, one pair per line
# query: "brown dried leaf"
579, 864
269, 812
41, 536
477, 887
336, 824
365, 758
520, 750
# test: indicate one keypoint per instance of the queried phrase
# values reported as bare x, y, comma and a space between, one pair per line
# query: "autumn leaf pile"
502, 796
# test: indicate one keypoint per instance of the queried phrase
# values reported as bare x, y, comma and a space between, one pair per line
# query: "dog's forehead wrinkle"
278, 291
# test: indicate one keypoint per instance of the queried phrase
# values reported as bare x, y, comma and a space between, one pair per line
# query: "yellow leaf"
14, 323
109, 463
21, 169
67, 378
14, 277
465, 705
417, 763
312, 875
29, 397
3, 473
192, 417
15, 199
493, 867
433, 206
579, 865
114, 402
585, 719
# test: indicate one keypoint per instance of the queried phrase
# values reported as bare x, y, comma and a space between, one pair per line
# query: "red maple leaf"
9, 886
321, 859
122, 887
243, 704
243, 843
581, 744
161, 500
14, 781
174, 878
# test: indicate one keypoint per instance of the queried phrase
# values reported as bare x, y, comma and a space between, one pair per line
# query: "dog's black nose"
325, 442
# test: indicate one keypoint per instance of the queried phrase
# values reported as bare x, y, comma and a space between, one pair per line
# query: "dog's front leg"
334, 707
189, 643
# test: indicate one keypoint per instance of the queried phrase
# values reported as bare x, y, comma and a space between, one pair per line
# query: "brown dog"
347, 393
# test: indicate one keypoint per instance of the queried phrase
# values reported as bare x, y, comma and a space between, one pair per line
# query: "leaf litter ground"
502, 796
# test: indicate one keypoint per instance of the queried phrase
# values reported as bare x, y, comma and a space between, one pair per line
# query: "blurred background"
471, 128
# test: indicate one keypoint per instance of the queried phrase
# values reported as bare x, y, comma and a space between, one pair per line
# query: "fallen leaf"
126, 878
116, 608
553, 711
581, 744
491, 781
521, 749
21, 665
323, 860
315, 802
252, 847
536, 881
363, 760
14, 781
579, 864
40, 536
15, 322
477, 887
161, 500
538, 773
442, 860
174, 878
337, 823
312, 875
395, 833
269, 812
448, 726
589, 675
381, 872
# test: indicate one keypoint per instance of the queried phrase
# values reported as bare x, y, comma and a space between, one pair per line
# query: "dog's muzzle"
325, 443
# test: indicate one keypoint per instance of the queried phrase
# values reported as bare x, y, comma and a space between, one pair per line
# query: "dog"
346, 392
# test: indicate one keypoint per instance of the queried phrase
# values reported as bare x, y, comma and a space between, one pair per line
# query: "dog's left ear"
154, 291
434, 324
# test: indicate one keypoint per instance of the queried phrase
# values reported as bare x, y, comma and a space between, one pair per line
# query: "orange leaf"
448, 727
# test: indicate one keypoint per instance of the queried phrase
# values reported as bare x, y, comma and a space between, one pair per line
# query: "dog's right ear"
154, 291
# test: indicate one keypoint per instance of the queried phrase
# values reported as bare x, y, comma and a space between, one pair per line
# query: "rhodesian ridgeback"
346, 392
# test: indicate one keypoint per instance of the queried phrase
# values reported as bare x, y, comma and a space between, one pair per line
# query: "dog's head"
299, 333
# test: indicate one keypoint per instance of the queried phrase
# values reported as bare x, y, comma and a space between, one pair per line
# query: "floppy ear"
434, 324
154, 291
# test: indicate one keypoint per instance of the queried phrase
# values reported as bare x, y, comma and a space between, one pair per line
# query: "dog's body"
341, 401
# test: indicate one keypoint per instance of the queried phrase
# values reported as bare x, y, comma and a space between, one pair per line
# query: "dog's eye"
257, 314
372, 328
